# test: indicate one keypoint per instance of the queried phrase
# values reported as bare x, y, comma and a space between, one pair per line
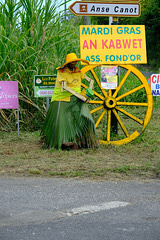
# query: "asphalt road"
56, 209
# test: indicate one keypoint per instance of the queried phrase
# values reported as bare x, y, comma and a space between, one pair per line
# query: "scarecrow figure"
68, 121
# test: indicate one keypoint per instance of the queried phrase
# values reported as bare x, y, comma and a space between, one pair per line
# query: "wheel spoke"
130, 92
108, 125
132, 104
83, 85
99, 84
95, 102
121, 83
121, 123
96, 109
129, 115
100, 118
98, 95
109, 92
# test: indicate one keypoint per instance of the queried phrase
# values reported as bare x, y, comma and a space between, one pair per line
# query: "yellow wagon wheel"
131, 103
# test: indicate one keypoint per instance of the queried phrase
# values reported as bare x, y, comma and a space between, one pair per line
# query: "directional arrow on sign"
45, 93
105, 9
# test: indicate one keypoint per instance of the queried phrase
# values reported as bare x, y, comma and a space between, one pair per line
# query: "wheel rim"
122, 104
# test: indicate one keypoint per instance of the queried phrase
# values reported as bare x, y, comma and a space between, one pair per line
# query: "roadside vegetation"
34, 39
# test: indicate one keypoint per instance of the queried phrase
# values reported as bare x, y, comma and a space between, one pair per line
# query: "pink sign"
8, 95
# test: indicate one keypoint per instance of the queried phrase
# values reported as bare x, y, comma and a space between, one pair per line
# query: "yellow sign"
113, 44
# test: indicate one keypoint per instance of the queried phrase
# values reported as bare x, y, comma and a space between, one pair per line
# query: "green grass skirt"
69, 122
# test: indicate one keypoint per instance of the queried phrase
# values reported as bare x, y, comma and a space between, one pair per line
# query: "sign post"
114, 122
18, 121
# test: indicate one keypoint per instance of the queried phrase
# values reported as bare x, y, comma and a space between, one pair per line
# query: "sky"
68, 4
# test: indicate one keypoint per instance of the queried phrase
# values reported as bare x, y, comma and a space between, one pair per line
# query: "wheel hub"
110, 102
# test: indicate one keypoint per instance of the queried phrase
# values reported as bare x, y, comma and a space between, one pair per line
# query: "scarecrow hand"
88, 93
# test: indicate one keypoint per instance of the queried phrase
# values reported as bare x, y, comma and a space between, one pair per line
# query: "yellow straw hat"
71, 57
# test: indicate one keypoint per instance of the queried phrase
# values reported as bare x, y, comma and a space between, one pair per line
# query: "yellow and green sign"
113, 44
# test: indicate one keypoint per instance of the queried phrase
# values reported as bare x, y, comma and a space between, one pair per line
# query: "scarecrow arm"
64, 86
91, 81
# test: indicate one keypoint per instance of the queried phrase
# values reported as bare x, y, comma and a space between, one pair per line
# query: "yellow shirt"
73, 79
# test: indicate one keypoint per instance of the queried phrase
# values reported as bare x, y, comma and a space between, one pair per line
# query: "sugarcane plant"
34, 39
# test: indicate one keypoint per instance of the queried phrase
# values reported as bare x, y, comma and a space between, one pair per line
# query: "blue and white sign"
154, 82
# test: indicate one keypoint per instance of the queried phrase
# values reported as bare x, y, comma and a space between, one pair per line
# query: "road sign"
44, 85
105, 9
154, 82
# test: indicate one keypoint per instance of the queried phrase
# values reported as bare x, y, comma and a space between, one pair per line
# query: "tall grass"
34, 39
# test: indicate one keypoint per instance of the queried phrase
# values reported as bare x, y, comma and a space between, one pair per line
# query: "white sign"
109, 77
105, 9
154, 82
44, 93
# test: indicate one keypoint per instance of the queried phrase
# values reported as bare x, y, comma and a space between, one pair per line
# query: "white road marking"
30, 216
95, 208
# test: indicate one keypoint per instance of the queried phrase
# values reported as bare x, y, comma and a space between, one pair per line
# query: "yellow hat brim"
73, 60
